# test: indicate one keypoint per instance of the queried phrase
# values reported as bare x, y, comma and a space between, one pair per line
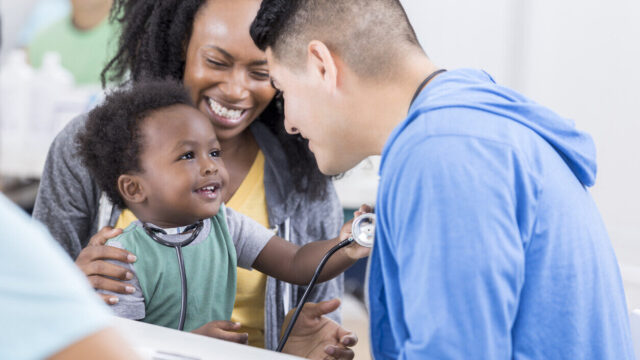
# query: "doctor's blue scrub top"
46, 304
488, 243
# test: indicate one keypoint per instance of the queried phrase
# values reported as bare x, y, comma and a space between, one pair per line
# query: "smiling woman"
273, 177
226, 74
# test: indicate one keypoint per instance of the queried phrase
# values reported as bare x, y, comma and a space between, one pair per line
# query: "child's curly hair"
110, 144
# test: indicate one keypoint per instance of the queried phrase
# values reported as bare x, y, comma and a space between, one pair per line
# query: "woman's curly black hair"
152, 44
111, 142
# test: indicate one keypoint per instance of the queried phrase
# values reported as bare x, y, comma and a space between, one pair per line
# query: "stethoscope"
153, 233
363, 233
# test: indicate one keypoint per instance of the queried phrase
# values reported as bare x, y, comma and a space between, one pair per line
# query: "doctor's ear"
131, 189
322, 63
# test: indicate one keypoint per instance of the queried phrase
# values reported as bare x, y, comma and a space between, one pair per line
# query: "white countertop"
160, 343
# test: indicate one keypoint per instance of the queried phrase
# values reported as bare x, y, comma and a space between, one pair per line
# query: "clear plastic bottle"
51, 84
16, 79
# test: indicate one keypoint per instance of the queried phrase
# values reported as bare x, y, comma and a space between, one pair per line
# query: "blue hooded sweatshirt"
488, 243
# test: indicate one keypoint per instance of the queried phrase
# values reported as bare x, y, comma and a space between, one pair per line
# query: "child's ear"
131, 189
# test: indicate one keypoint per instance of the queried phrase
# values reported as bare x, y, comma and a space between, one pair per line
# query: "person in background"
85, 40
273, 177
47, 307
43, 14
488, 242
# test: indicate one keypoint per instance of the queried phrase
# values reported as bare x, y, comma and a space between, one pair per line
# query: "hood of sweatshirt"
476, 88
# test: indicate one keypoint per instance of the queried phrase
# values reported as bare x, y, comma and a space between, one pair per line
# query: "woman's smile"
224, 115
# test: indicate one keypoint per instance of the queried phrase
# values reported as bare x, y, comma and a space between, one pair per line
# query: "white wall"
465, 33
580, 58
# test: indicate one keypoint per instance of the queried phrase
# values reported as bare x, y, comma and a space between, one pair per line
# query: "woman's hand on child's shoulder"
91, 261
223, 330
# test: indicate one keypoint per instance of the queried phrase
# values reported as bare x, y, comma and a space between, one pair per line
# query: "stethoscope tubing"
310, 287
183, 283
181, 267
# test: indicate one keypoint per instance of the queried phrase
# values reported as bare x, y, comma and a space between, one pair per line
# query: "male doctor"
489, 245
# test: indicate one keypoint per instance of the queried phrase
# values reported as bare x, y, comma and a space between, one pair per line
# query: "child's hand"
355, 251
364, 209
223, 330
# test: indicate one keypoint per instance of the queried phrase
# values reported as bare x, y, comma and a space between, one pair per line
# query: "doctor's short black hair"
111, 142
369, 35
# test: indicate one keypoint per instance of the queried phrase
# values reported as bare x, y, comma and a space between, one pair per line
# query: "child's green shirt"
226, 240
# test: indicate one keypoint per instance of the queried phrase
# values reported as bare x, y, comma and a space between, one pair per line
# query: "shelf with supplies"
34, 106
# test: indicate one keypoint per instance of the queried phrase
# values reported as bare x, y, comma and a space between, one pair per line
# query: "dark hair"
269, 25
111, 142
369, 35
153, 45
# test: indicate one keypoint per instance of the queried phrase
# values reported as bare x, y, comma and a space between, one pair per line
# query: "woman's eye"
215, 153
187, 156
262, 76
216, 63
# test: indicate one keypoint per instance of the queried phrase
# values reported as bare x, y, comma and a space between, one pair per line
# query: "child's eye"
215, 153
187, 156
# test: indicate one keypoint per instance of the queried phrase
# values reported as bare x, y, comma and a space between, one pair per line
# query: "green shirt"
210, 268
83, 53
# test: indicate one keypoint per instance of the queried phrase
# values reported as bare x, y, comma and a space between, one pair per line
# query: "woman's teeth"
223, 111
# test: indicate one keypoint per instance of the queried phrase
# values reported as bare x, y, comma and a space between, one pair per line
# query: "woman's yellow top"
250, 200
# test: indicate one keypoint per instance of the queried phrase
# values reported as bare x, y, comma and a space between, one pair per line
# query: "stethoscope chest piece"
363, 229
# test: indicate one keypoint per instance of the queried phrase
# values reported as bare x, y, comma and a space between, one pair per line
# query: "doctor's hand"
223, 330
91, 261
315, 336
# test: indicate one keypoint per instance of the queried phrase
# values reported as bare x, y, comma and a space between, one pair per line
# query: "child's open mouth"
210, 192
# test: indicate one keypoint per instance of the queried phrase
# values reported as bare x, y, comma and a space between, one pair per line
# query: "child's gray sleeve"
249, 237
129, 306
